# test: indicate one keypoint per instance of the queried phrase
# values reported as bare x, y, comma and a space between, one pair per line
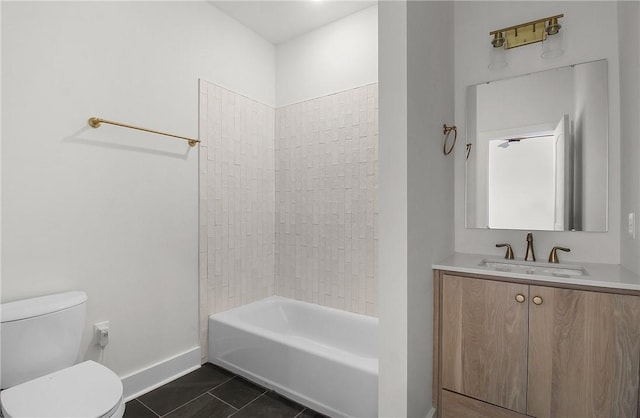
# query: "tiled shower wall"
298, 219
326, 200
237, 189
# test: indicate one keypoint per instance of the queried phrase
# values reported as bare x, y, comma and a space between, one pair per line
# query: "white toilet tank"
40, 335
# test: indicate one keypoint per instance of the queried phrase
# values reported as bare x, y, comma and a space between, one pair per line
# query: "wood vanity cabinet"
518, 349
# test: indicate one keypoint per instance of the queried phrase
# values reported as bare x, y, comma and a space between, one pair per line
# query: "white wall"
416, 194
430, 182
113, 211
473, 21
629, 16
393, 207
336, 57
522, 102
590, 98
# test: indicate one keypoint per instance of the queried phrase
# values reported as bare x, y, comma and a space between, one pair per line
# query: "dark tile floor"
213, 392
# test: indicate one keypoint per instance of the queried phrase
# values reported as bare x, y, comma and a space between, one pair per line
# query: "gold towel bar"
95, 123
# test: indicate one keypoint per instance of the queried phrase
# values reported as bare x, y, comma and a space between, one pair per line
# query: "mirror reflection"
538, 157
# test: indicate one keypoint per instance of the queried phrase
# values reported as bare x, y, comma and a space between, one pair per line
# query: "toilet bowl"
40, 342
86, 390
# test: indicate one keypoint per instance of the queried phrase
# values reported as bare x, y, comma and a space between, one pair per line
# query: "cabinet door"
583, 354
484, 340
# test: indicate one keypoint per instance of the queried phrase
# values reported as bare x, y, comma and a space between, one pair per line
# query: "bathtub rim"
367, 364
275, 298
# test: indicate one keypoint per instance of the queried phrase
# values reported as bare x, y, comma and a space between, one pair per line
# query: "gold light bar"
526, 33
95, 123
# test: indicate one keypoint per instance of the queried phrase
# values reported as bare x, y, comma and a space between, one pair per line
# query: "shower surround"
288, 201
326, 209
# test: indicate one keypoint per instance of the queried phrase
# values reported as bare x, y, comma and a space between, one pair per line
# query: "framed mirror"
538, 151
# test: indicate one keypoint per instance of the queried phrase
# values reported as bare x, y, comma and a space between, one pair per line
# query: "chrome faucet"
530, 255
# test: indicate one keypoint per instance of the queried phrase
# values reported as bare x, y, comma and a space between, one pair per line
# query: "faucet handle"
553, 255
509, 254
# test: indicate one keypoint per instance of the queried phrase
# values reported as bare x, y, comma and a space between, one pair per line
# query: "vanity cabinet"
517, 349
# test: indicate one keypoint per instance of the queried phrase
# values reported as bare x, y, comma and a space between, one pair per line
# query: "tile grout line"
239, 378
224, 402
249, 403
222, 383
145, 405
300, 413
198, 396
184, 404
190, 400
265, 391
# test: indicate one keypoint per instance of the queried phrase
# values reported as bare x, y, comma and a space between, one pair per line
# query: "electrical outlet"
632, 225
101, 331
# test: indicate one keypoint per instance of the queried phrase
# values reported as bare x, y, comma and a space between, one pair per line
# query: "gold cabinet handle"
537, 300
520, 298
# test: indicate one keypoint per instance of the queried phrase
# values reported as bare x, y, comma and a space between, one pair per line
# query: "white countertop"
600, 275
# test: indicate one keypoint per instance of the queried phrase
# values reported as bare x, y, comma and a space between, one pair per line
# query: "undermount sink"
533, 268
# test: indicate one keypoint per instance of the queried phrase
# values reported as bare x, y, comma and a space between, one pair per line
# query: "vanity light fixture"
526, 33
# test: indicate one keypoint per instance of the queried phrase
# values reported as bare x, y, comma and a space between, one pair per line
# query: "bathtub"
324, 358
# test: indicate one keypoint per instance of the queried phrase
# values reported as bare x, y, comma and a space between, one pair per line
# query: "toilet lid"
86, 390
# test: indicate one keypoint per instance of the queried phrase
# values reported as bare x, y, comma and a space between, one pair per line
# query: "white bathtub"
324, 358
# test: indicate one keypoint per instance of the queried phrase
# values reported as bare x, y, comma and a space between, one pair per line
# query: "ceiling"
280, 21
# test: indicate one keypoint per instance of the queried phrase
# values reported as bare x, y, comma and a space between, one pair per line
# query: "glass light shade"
498, 58
552, 47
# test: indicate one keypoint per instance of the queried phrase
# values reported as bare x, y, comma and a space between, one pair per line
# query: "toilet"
40, 341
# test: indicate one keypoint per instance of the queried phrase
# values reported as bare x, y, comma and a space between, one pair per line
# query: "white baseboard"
156, 375
431, 413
